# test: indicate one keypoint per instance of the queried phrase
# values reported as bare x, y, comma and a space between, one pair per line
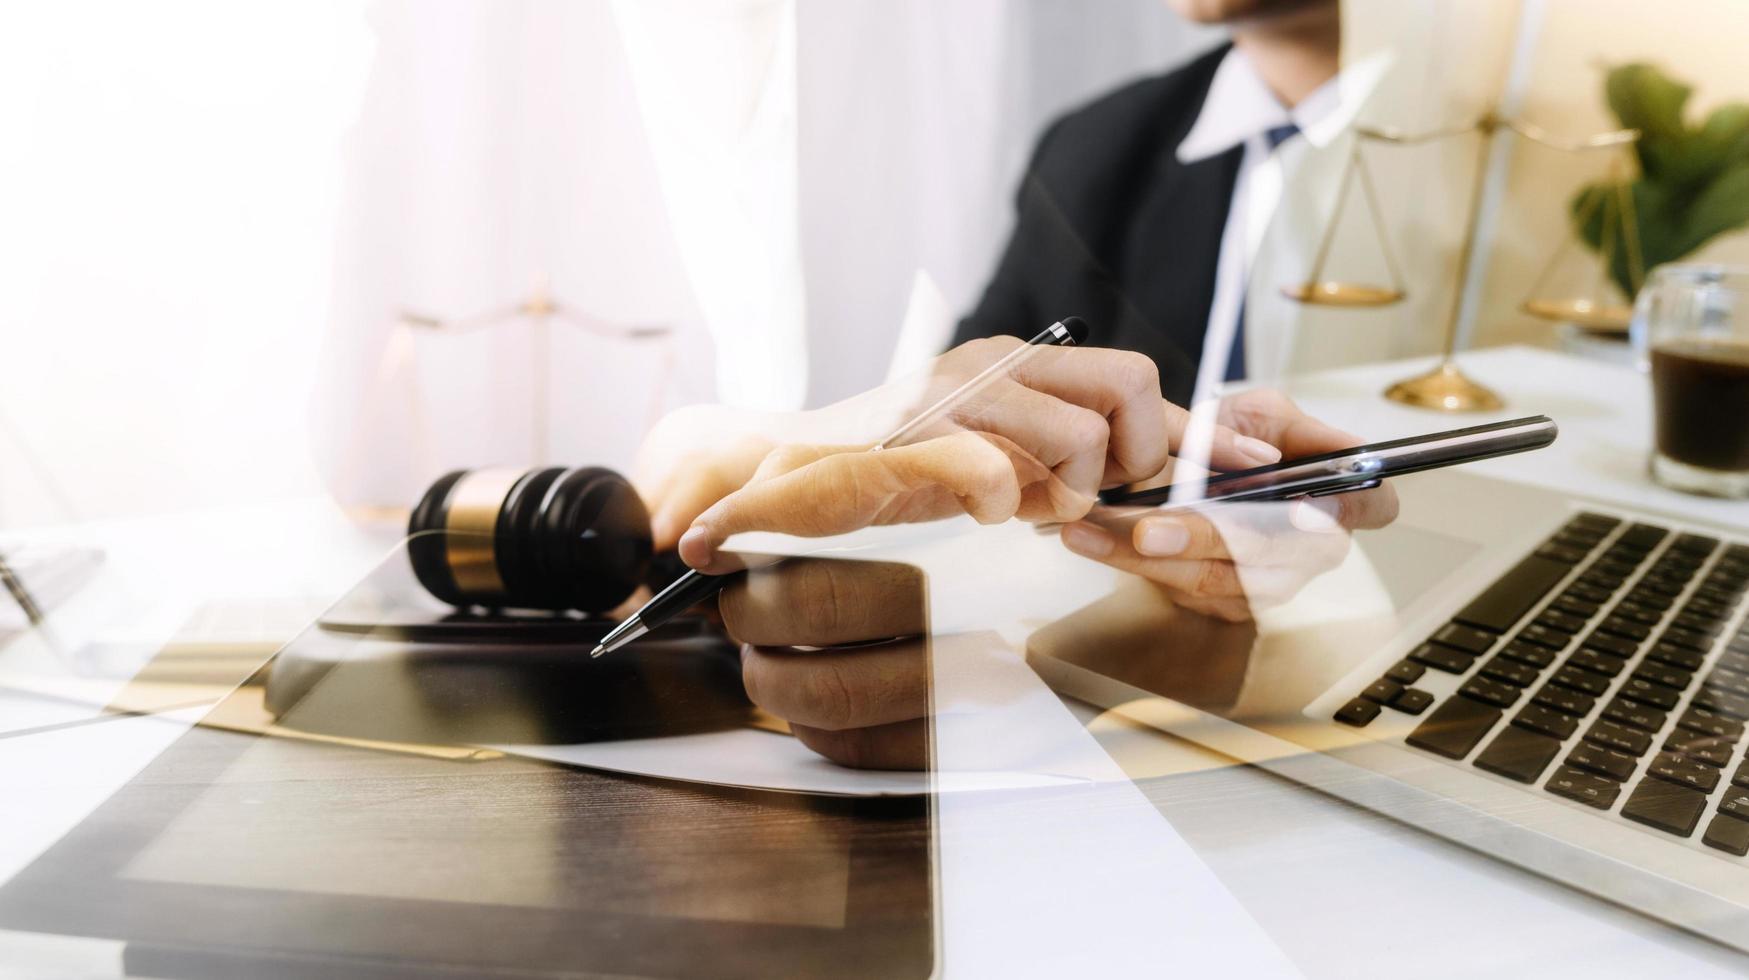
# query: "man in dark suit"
1140, 210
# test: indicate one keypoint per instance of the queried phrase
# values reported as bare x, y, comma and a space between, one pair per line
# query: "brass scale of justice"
1446, 388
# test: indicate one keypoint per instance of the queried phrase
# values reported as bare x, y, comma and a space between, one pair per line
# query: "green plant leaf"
1723, 206
1644, 98
1701, 154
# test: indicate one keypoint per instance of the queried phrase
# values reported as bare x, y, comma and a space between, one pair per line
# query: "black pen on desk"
20, 594
694, 587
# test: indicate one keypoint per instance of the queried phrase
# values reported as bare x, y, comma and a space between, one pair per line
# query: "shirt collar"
1239, 106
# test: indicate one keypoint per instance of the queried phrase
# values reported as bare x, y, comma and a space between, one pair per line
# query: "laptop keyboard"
1625, 691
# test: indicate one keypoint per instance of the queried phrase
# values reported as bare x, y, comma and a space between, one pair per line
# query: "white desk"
1342, 892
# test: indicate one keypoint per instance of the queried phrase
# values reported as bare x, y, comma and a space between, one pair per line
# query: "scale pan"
1589, 314
1341, 294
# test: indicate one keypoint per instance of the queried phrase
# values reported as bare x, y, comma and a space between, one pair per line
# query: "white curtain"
763, 178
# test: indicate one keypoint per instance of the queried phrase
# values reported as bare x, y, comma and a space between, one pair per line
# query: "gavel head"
550, 538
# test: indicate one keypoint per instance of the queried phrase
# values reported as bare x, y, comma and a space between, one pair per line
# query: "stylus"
694, 587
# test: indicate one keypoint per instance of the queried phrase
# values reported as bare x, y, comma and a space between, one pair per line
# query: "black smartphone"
1359, 468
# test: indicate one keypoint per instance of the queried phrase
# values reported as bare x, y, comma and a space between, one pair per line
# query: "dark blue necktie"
1276, 135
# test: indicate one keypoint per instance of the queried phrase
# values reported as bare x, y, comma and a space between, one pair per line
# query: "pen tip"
600, 648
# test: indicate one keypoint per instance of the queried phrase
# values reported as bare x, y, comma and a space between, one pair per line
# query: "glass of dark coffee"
1692, 321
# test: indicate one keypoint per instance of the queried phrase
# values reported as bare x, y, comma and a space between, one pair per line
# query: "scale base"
1445, 389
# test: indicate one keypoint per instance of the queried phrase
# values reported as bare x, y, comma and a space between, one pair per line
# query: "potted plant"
1693, 183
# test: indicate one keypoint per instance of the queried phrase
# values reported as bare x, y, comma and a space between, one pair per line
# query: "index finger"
846, 491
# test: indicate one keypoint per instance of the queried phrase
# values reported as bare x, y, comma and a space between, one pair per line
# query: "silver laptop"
1558, 683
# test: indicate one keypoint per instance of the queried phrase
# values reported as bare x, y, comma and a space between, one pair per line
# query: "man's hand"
1233, 560
1037, 445
834, 647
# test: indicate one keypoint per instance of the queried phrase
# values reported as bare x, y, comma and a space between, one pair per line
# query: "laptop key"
1668, 807
1700, 748
1463, 637
1667, 676
1510, 671
1454, 728
1633, 715
1540, 719
1562, 553
1586, 593
1637, 614
1623, 627
1702, 624
1615, 646
1406, 672
1735, 803
1556, 620
1528, 653
1518, 754
1686, 638
1443, 658
1412, 701
1583, 681
1511, 596
1696, 544
1647, 599
1728, 833
1490, 691
1613, 736
1382, 690
1597, 759
1358, 712
1676, 656
1597, 662
1566, 702
1553, 639
1582, 786
1709, 723
1643, 536
1660, 587
1575, 606
1722, 702
1741, 776
1707, 608
1729, 680
1683, 771
1644, 691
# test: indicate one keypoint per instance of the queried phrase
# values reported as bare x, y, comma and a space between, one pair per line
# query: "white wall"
168, 196
1699, 41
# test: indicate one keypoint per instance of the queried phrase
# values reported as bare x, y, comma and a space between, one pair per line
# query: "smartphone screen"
1358, 468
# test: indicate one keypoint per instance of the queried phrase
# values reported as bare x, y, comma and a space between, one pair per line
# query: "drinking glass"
1691, 323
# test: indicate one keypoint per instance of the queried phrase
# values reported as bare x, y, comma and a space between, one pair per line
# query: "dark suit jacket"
1112, 228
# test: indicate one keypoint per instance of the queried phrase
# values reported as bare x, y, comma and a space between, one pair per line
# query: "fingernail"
1258, 451
1317, 516
1085, 539
1163, 538
695, 546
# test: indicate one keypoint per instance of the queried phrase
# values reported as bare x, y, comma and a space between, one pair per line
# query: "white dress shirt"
1240, 110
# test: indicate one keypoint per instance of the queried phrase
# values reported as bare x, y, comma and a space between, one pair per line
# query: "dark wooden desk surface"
235, 855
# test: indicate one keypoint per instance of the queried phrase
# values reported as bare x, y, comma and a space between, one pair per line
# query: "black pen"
694, 587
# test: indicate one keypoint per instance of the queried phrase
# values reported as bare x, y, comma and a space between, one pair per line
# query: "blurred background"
271, 249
